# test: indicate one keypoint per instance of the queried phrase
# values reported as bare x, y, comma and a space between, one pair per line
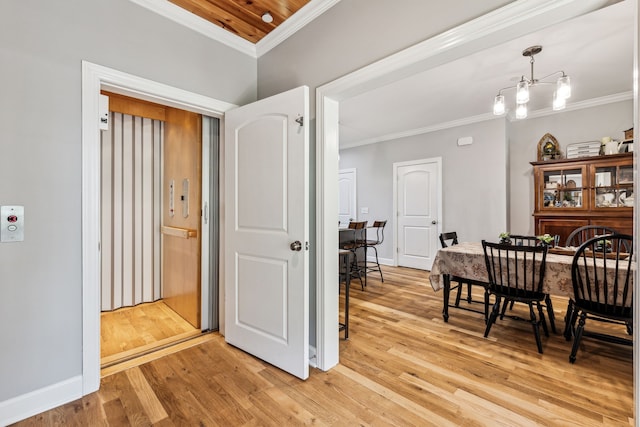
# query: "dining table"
466, 261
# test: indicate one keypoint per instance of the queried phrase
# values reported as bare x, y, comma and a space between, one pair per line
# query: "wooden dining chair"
449, 239
584, 233
523, 240
373, 243
516, 273
602, 278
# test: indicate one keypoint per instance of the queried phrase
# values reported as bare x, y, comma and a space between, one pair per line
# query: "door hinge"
300, 120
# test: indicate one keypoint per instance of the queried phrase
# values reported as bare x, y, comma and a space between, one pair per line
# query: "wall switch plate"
11, 223
364, 210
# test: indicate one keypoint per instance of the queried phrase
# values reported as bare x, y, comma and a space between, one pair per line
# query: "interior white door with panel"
267, 230
347, 201
418, 201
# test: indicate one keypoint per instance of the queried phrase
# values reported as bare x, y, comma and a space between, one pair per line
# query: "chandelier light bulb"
522, 92
563, 87
521, 111
559, 102
498, 105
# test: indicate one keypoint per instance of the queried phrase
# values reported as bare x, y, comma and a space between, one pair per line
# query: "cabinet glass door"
562, 188
613, 186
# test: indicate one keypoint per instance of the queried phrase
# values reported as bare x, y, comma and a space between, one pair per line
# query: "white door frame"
511, 21
94, 78
438, 162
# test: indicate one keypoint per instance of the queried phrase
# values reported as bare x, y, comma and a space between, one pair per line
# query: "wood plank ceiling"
243, 17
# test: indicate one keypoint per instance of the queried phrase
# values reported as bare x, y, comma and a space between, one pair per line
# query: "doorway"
151, 174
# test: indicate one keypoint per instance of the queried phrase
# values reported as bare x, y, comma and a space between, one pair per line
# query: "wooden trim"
135, 107
582, 160
185, 233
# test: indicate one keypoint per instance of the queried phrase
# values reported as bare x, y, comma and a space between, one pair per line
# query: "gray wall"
42, 44
488, 186
589, 124
474, 179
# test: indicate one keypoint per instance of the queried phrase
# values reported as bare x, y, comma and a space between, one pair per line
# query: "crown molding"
589, 103
302, 17
306, 14
420, 131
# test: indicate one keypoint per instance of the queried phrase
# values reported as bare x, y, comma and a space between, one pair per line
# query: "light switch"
364, 210
11, 223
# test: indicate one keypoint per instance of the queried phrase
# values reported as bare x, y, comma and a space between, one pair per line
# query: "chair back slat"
602, 275
515, 271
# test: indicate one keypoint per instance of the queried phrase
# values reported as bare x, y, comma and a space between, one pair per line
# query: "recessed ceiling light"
266, 17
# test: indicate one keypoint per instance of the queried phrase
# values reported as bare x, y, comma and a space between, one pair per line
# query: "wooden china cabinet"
570, 193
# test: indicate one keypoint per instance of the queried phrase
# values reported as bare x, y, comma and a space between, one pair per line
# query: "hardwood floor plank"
149, 401
129, 330
402, 366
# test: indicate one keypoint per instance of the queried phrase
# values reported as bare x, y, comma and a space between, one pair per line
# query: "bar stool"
358, 241
379, 226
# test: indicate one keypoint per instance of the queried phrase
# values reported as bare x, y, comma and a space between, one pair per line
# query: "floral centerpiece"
505, 237
546, 239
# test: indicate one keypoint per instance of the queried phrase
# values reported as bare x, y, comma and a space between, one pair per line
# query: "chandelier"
560, 95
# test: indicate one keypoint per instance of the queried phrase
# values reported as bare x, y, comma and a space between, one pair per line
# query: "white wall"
42, 44
589, 124
474, 178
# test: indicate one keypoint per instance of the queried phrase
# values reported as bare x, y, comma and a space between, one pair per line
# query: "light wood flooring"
130, 332
402, 366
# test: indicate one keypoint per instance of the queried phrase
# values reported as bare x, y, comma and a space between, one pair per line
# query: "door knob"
296, 246
434, 222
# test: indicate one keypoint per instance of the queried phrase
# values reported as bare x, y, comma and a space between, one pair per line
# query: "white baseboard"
382, 261
32, 403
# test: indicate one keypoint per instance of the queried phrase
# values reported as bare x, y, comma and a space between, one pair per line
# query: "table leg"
347, 285
365, 258
445, 294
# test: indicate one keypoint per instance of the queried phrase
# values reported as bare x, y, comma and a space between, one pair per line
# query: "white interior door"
267, 230
347, 196
418, 209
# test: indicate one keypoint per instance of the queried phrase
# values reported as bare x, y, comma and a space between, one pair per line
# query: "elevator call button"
11, 224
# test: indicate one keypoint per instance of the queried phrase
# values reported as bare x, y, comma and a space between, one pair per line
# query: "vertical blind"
131, 211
